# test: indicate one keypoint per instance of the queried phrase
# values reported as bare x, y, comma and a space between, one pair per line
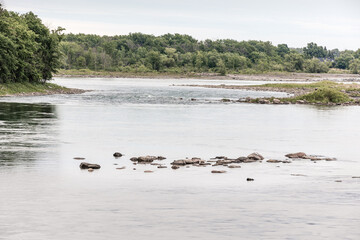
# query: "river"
45, 195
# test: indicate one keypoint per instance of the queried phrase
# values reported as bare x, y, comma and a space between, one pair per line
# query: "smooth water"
44, 194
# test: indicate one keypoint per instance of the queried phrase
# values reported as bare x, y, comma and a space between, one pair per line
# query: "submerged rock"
273, 161
234, 166
218, 171
296, 155
117, 154
85, 165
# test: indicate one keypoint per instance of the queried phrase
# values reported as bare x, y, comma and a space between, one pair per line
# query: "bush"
326, 95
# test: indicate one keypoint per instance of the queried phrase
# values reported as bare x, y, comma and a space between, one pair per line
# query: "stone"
356, 177
241, 159
255, 156
234, 166
148, 171
249, 179
120, 168
79, 158
85, 165
90, 170
296, 155
300, 102
273, 161
161, 166
117, 154
276, 101
144, 159
218, 171
220, 157
338, 181
175, 167
161, 158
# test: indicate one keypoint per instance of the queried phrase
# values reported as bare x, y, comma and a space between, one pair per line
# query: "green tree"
355, 66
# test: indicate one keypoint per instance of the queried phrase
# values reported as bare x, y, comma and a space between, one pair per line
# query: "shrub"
326, 95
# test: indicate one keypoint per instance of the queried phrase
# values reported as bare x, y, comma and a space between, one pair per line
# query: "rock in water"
296, 155
85, 165
218, 171
175, 167
249, 179
273, 161
117, 154
255, 156
79, 158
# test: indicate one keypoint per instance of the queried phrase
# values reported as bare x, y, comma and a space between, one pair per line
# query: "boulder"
85, 165
255, 156
117, 154
297, 155
276, 101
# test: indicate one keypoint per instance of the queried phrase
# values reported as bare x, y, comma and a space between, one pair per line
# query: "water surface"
44, 194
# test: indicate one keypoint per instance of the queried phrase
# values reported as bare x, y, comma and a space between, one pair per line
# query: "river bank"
35, 89
276, 76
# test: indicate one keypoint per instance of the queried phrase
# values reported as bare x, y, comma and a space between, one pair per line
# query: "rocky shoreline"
47, 92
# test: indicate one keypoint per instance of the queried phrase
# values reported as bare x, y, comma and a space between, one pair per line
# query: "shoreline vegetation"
35, 89
338, 76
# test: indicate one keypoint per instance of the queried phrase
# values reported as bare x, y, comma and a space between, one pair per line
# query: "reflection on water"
25, 129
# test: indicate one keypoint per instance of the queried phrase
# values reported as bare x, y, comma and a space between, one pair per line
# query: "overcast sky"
331, 23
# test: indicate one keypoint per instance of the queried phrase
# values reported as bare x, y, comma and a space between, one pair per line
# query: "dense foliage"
177, 53
29, 52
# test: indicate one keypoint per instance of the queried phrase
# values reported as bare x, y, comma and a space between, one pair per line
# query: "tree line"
137, 52
29, 51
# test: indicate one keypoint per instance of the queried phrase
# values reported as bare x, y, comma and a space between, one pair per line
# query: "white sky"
331, 23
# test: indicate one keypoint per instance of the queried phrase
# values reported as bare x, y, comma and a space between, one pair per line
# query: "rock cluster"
146, 159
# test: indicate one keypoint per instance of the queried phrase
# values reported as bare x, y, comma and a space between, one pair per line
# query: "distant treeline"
178, 53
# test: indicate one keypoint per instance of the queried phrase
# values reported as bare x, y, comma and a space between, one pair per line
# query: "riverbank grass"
30, 88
